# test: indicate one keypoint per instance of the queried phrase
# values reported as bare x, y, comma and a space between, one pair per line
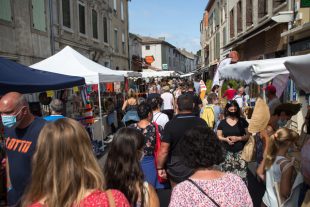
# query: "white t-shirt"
168, 100
160, 119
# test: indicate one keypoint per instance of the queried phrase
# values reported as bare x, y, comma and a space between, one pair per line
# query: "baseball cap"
271, 89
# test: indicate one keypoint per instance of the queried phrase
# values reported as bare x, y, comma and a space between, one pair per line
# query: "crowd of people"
173, 138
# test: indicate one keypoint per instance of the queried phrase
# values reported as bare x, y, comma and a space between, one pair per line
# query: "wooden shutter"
38, 15
5, 10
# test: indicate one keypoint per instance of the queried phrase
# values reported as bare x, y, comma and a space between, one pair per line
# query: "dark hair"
230, 104
215, 87
122, 169
156, 103
201, 148
143, 110
211, 97
230, 85
185, 102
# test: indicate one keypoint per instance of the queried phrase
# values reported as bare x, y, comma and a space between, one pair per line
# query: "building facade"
167, 56
135, 52
33, 30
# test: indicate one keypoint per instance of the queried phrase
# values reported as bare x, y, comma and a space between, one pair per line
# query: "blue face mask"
8, 120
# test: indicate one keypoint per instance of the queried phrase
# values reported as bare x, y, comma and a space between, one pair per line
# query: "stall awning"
151, 73
70, 62
186, 75
299, 68
23, 79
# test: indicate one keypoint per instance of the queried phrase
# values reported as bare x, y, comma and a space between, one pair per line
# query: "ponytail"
279, 139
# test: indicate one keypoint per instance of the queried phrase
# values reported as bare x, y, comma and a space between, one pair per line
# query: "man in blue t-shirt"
57, 109
21, 131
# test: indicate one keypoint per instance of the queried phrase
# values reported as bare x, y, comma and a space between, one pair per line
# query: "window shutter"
38, 15
5, 10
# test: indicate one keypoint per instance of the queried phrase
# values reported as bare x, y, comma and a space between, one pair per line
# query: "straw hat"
260, 116
166, 88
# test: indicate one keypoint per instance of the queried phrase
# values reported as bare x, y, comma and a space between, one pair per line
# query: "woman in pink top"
201, 150
230, 92
65, 171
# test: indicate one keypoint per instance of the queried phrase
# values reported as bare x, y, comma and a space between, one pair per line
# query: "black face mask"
232, 114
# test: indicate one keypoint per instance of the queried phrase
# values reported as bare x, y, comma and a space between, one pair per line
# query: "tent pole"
100, 111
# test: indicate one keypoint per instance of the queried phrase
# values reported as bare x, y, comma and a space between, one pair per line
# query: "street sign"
305, 3
165, 66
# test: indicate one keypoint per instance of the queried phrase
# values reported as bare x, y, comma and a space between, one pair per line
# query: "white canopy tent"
70, 62
152, 73
299, 68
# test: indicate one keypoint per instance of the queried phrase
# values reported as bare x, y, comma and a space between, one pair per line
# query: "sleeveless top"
273, 177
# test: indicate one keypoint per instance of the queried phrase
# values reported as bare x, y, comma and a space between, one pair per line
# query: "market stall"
23, 79
68, 62
259, 71
153, 74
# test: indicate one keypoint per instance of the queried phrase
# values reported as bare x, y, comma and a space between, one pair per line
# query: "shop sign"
149, 59
49, 93
305, 3
165, 66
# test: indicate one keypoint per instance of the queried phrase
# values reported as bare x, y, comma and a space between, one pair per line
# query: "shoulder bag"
156, 152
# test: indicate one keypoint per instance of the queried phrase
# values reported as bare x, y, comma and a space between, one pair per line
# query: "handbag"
248, 150
156, 152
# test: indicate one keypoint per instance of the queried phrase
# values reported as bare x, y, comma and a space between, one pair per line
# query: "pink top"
230, 93
99, 199
228, 190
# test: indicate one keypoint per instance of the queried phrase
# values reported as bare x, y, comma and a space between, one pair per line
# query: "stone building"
33, 30
135, 52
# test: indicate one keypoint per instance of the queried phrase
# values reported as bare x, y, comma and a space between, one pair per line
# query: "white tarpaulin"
259, 71
128, 73
299, 68
70, 62
151, 73
186, 75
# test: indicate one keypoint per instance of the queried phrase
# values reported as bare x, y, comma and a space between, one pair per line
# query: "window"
95, 23
66, 17
82, 19
105, 29
5, 10
115, 40
147, 47
123, 43
239, 17
249, 13
122, 9
232, 24
262, 8
38, 15
277, 3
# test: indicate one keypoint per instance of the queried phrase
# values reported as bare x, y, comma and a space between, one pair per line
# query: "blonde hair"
282, 137
131, 93
63, 166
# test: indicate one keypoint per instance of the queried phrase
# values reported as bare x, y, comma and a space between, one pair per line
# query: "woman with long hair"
122, 168
65, 171
207, 186
282, 180
130, 108
233, 132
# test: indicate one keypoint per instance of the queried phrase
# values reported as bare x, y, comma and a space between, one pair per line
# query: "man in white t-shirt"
241, 98
168, 105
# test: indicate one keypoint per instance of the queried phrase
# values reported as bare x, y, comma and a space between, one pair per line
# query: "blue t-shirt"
53, 117
20, 146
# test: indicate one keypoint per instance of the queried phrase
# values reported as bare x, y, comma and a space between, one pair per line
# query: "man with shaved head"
21, 130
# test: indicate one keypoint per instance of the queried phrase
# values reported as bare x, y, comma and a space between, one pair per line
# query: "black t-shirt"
177, 127
237, 130
20, 146
197, 102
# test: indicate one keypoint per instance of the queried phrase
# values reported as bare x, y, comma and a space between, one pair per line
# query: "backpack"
208, 115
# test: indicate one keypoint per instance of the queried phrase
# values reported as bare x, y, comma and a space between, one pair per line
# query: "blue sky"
176, 20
